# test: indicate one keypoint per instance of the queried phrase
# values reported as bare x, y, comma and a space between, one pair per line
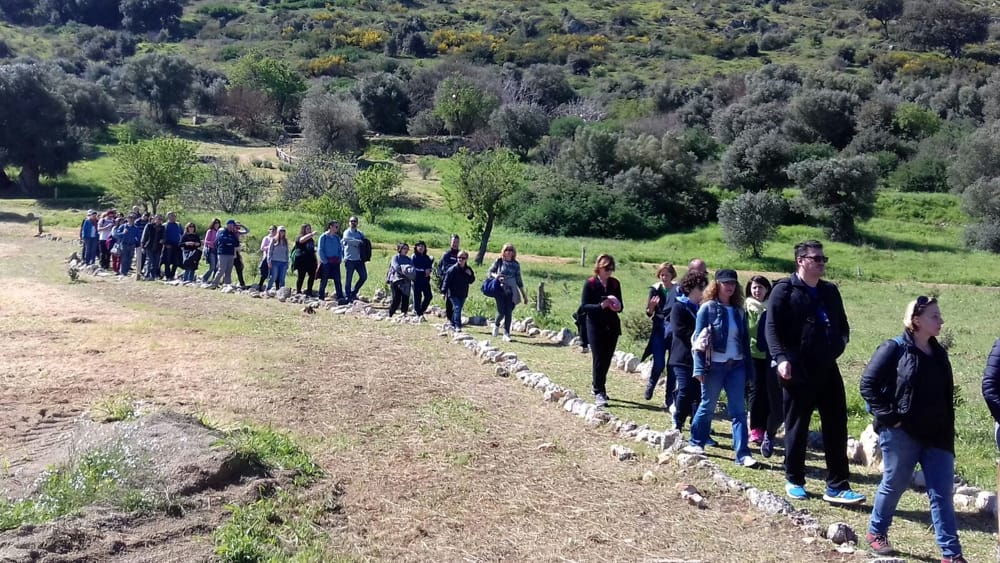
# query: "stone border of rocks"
667, 442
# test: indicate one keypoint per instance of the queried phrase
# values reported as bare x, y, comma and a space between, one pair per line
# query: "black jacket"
152, 237
795, 331
902, 385
457, 281
603, 321
682, 319
991, 381
660, 317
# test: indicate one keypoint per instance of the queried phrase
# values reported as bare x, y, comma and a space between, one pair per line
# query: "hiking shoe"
506, 338
496, 331
767, 446
846, 496
797, 492
601, 400
757, 435
710, 443
693, 449
956, 559
748, 461
879, 543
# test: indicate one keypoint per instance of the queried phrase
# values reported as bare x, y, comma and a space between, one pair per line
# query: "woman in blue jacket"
909, 387
722, 361
658, 304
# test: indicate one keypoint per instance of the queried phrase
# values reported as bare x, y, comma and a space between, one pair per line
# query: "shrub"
826, 115
332, 65
777, 39
462, 105
978, 157
229, 187
314, 177
375, 186
942, 24
426, 123
750, 220
332, 124
565, 127
384, 102
839, 191
547, 86
925, 173
755, 161
425, 165
519, 127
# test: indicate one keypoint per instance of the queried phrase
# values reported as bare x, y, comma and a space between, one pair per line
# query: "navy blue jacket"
457, 281
660, 316
227, 242
682, 319
422, 263
991, 381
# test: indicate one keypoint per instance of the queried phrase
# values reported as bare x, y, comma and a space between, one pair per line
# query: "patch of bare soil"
437, 458
175, 461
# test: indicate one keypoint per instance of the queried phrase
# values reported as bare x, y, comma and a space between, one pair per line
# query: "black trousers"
602, 349
400, 298
307, 270
766, 408
811, 392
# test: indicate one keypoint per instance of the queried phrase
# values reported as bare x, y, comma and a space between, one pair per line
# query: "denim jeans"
188, 275
152, 264
733, 377
213, 264
327, 271
900, 454
91, 248
505, 310
276, 274
126, 259
457, 303
351, 266
688, 394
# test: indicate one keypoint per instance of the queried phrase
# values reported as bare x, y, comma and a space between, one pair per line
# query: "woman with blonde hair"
722, 361
507, 271
909, 387
602, 302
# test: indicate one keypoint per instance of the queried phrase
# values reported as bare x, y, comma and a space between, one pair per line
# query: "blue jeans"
505, 310
351, 266
91, 248
127, 252
659, 363
276, 274
733, 377
456, 307
900, 454
688, 394
188, 275
152, 264
213, 264
327, 271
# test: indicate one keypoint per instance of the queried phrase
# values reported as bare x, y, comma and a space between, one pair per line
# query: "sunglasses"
819, 259
608, 269
922, 303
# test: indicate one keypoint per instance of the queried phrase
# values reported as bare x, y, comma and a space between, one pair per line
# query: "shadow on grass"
966, 521
408, 227
883, 242
619, 403
210, 134
8, 217
407, 200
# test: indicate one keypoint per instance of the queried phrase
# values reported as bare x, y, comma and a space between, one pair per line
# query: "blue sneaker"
797, 492
710, 443
846, 496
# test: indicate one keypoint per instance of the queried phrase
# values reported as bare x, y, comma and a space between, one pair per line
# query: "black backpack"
366, 250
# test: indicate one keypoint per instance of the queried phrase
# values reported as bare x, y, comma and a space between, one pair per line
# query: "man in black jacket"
807, 331
991, 387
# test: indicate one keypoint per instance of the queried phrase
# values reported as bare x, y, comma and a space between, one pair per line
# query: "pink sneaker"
757, 435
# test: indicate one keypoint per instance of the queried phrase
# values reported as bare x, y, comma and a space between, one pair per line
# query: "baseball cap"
726, 276
231, 222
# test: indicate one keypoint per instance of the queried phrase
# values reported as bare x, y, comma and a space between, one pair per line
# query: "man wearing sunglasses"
807, 330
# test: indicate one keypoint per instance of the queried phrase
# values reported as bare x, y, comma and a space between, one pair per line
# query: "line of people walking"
783, 343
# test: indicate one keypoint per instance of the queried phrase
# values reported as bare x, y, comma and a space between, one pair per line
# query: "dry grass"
436, 457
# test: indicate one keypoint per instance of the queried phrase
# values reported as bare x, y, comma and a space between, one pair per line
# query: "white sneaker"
748, 461
506, 338
496, 331
693, 449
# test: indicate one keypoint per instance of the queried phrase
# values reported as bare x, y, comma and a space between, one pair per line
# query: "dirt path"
437, 458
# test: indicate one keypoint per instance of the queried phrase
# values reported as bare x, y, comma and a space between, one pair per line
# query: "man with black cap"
807, 330
227, 244
449, 259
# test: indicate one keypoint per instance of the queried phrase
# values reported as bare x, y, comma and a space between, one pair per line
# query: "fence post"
540, 302
583, 257
39, 226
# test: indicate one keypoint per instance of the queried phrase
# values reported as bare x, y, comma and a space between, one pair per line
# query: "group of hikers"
781, 342
772, 348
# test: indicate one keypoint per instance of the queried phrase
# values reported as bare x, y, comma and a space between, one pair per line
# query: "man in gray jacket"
352, 259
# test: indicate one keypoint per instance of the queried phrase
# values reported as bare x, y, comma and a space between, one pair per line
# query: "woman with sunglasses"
602, 302
507, 270
909, 387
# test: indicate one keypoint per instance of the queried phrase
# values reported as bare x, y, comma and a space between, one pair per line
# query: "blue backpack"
900, 348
